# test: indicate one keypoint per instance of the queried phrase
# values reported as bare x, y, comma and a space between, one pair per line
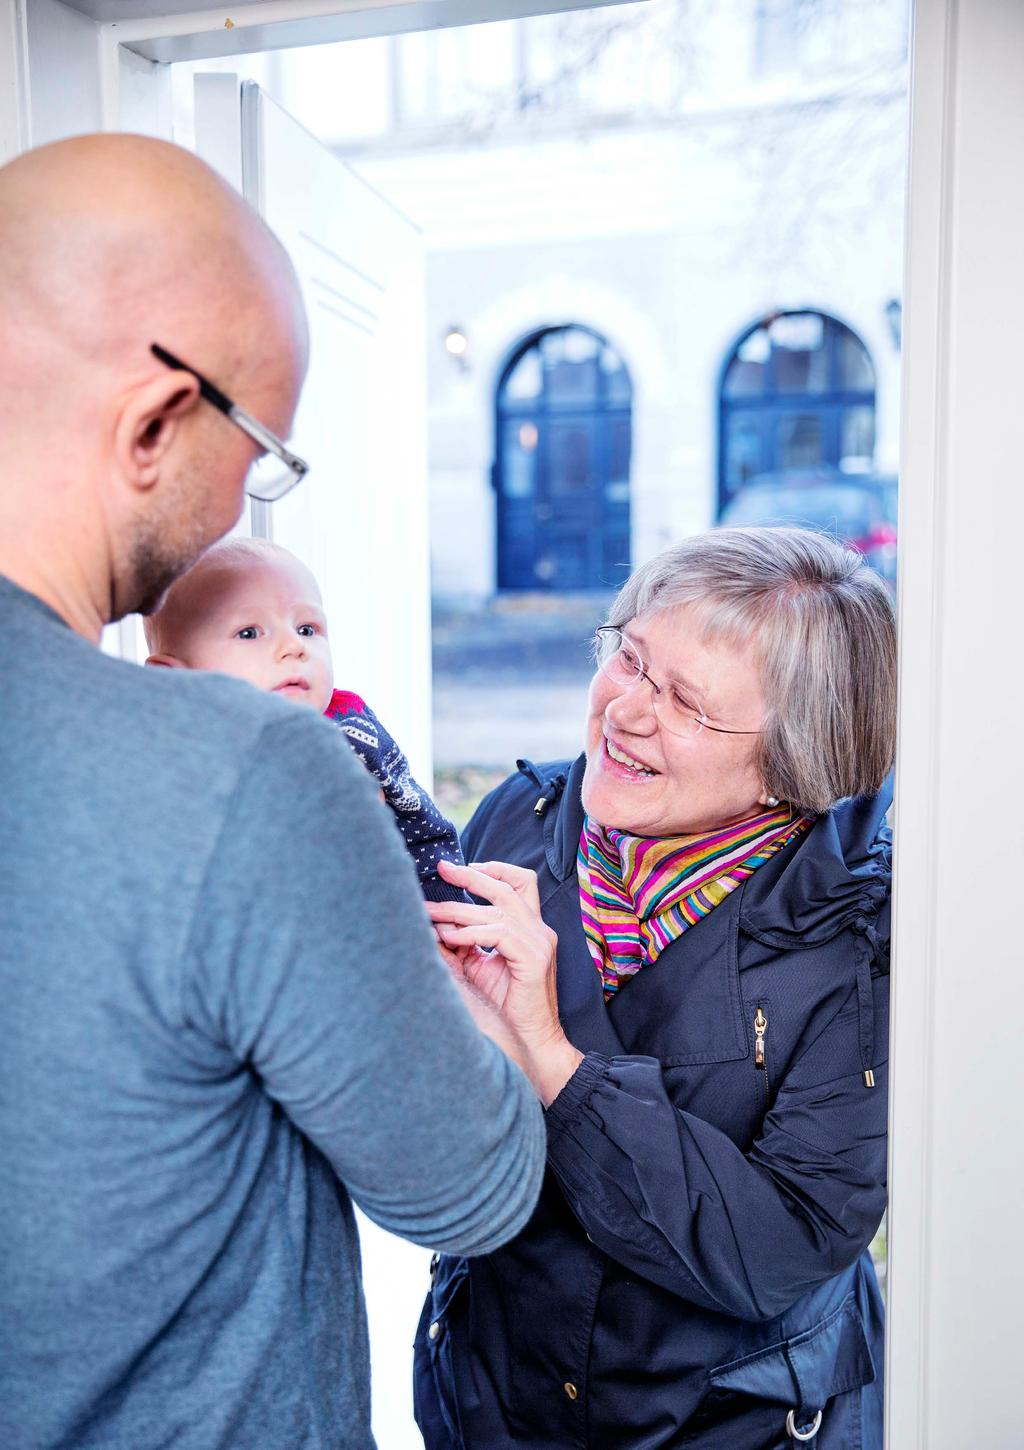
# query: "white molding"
921, 524
281, 24
15, 110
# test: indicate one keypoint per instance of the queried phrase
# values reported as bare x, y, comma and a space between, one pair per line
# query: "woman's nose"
633, 709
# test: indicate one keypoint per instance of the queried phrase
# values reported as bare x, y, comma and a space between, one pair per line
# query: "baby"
250, 609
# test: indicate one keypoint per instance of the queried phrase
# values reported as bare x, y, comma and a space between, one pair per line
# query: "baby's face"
263, 621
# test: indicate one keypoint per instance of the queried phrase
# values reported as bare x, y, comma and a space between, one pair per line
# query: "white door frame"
956, 1275
956, 1272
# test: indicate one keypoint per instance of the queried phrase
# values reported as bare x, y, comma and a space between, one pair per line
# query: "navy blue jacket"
696, 1268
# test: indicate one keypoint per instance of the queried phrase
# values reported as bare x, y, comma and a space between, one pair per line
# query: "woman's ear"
169, 662
148, 423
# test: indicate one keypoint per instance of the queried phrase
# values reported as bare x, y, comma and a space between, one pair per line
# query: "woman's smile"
624, 765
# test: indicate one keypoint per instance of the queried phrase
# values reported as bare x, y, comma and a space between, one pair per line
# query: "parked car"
859, 508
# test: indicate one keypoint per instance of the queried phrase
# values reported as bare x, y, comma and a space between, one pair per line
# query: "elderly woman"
708, 889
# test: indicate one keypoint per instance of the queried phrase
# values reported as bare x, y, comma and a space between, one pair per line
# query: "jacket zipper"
760, 1058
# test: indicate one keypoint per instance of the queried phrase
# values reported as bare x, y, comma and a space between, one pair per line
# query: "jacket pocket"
434, 1400
817, 1370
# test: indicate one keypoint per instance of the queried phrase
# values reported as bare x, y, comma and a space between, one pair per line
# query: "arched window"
561, 471
798, 391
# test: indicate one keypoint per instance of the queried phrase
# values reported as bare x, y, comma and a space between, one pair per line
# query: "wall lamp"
456, 345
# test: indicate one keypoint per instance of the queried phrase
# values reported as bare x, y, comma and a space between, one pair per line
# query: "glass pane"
570, 459
570, 365
746, 373
519, 459
617, 387
798, 441
855, 370
524, 381
857, 439
798, 345
742, 449
618, 452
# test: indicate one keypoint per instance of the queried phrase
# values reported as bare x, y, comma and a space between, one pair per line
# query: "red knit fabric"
345, 702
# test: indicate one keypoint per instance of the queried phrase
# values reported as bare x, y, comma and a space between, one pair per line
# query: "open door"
359, 520
360, 517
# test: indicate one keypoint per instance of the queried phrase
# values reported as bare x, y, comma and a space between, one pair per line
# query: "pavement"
510, 679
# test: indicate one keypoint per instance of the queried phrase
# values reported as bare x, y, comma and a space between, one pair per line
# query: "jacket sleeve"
428, 835
312, 965
674, 1199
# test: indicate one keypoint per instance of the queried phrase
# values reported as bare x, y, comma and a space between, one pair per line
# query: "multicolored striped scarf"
639, 893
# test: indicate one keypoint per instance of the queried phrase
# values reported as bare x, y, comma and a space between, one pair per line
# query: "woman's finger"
495, 881
522, 880
460, 913
470, 936
451, 959
530, 955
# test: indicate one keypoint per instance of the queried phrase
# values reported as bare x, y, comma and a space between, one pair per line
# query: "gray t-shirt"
223, 1019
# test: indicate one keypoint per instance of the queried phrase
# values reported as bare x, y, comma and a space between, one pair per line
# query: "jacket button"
434, 1330
570, 1390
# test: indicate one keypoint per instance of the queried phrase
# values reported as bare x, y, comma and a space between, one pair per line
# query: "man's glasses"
619, 659
277, 470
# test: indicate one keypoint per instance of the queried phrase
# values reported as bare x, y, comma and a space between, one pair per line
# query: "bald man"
209, 1046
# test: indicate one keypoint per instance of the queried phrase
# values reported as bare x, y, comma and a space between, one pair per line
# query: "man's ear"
149, 422
169, 662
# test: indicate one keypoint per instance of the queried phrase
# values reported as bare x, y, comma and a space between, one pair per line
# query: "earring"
771, 802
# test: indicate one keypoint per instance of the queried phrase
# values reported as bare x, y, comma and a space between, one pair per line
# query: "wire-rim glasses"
277, 470
620, 661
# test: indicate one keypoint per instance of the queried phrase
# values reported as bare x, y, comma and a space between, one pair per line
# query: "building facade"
664, 253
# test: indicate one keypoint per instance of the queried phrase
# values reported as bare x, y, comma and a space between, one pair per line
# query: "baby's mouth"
297, 682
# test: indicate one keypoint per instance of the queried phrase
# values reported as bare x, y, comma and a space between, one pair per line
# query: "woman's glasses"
620, 661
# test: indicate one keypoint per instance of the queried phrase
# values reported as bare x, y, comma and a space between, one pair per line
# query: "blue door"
561, 473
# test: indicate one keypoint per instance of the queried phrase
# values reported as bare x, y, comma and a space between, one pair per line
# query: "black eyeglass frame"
641, 674
297, 468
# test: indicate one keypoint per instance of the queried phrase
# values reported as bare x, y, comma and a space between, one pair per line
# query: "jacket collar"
835, 876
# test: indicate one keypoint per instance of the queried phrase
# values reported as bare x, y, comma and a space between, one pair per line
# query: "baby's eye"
308, 630
249, 632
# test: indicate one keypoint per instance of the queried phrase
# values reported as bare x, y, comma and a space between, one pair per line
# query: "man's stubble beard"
169, 542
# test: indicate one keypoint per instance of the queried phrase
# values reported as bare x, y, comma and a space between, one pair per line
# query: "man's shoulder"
189, 732
189, 707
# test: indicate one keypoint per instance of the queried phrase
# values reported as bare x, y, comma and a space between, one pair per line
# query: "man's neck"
57, 579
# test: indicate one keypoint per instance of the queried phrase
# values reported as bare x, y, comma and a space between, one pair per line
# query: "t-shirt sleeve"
313, 963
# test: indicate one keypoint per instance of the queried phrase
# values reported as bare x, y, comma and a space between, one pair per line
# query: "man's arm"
312, 961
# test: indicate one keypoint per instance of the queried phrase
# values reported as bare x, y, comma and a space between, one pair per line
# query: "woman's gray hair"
823, 628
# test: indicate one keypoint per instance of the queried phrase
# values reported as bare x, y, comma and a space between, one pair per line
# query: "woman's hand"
505, 955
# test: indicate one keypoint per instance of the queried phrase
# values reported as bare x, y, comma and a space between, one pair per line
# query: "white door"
359, 519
